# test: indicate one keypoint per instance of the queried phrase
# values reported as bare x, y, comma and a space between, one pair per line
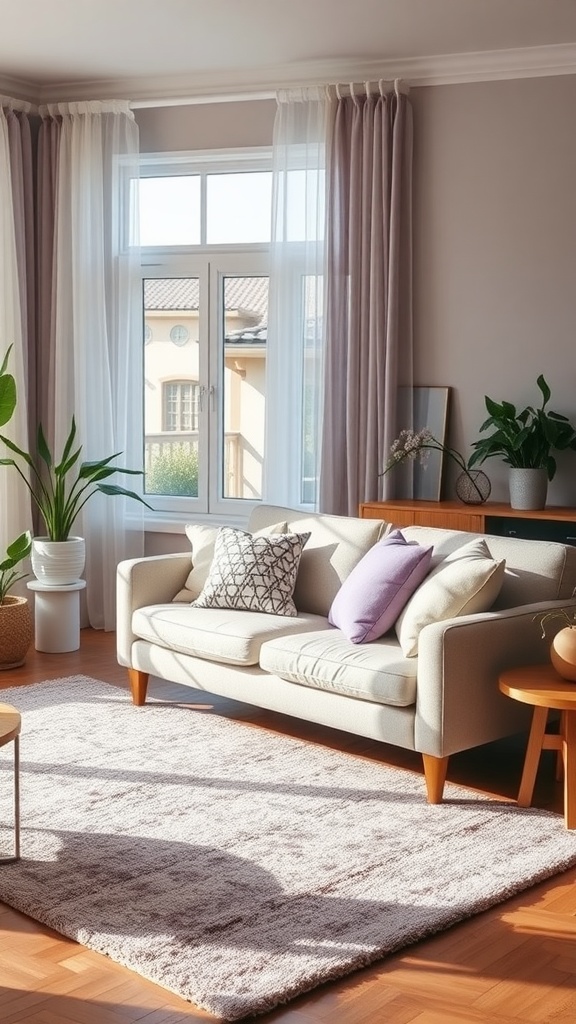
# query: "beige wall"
495, 251
495, 239
206, 126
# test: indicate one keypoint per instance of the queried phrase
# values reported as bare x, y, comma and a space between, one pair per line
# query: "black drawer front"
560, 530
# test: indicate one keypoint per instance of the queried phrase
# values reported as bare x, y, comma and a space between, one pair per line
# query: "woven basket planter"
16, 631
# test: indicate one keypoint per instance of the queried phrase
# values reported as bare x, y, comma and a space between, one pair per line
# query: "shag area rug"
237, 867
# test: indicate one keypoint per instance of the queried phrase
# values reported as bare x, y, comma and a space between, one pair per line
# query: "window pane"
238, 207
244, 386
301, 206
170, 210
171, 392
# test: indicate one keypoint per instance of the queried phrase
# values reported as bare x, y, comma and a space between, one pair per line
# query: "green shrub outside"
174, 471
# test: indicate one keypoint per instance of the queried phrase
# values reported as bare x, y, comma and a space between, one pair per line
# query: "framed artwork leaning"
423, 407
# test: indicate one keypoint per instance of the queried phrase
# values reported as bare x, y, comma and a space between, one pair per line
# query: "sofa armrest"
458, 702
144, 581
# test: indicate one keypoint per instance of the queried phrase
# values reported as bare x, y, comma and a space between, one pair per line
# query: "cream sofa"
442, 701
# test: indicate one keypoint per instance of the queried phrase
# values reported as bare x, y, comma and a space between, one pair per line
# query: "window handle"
206, 390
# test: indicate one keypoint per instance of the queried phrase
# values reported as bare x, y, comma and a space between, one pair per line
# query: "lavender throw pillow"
373, 595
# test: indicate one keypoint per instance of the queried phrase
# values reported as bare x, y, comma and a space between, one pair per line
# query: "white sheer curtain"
296, 297
15, 513
97, 313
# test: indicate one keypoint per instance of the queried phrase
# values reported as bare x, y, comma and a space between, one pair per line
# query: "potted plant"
525, 440
15, 618
563, 645
60, 489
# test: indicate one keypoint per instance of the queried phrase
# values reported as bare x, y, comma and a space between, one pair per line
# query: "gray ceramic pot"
528, 488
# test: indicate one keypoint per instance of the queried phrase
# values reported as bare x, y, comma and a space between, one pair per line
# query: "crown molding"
241, 84
19, 89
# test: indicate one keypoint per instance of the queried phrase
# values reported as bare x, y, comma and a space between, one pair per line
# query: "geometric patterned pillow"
253, 574
202, 541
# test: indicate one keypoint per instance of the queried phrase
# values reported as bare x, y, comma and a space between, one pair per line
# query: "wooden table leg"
569, 752
532, 758
559, 755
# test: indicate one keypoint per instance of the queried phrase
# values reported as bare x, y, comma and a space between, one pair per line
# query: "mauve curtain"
368, 334
16, 298
91, 302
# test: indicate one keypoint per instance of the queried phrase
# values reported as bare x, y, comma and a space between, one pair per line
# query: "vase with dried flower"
472, 485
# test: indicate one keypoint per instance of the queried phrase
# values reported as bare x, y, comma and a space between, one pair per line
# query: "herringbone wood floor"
514, 963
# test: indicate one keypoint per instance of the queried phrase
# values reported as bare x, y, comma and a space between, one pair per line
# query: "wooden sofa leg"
138, 686
435, 769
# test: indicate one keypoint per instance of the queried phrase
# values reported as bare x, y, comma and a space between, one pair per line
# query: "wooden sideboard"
551, 523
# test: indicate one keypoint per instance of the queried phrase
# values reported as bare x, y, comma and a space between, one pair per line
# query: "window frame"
211, 263
210, 268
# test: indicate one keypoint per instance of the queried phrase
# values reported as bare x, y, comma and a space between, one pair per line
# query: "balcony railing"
156, 445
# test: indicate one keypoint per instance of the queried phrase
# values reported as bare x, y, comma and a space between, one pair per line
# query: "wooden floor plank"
513, 963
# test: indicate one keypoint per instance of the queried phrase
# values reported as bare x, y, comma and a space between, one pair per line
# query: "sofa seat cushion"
377, 671
217, 634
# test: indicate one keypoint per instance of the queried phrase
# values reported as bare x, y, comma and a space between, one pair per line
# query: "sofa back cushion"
536, 570
335, 546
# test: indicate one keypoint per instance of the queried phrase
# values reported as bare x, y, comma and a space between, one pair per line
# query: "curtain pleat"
368, 333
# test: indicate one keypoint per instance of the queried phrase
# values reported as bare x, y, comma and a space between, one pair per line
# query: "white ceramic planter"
58, 562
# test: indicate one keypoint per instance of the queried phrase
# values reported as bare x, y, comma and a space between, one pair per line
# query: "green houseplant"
525, 439
16, 552
15, 618
60, 489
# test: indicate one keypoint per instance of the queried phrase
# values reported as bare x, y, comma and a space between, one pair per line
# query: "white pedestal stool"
57, 616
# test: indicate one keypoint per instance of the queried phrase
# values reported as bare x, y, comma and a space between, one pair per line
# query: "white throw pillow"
202, 540
466, 582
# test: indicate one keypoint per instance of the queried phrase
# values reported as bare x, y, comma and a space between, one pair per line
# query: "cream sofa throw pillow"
202, 540
466, 582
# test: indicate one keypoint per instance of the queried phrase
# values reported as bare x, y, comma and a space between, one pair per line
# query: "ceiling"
55, 49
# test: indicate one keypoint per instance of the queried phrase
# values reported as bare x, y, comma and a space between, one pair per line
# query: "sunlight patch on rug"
236, 867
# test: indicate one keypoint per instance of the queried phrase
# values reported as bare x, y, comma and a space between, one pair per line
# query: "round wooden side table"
10, 723
541, 686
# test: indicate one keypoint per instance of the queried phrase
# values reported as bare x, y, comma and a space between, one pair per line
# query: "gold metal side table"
10, 724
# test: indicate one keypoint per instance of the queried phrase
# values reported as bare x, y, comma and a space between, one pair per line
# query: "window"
179, 334
180, 405
205, 235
